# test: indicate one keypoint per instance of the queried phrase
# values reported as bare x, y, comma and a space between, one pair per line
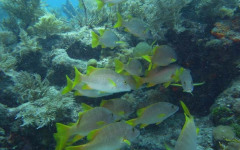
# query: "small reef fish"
153, 114
188, 137
90, 119
101, 3
186, 81
134, 26
133, 67
119, 107
142, 49
79, 91
163, 55
107, 38
100, 79
161, 75
110, 137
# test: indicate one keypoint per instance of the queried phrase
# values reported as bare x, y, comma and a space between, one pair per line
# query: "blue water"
59, 3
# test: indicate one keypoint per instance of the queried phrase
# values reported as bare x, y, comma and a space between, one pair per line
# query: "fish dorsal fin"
92, 134
141, 111
77, 78
101, 32
86, 107
90, 69
112, 82
69, 86
103, 102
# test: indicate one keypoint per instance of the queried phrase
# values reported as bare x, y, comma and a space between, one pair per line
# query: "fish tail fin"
79, 147
139, 81
119, 66
62, 135
95, 40
78, 77
69, 86
119, 21
132, 122
185, 109
100, 4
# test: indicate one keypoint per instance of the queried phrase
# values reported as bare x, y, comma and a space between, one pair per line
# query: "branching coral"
48, 24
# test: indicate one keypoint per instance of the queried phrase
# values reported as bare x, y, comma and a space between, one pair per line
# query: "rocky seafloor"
39, 47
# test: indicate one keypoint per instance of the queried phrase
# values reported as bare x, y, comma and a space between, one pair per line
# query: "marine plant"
48, 25
222, 115
22, 14
28, 44
40, 103
7, 60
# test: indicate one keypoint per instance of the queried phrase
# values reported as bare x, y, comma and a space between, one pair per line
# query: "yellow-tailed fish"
133, 67
161, 75
119, 107
79, 91
101, 3
107, 38
104, 80
110, 137
188, 137
142, 49
89, 120
163, 55
134, 26
153, 114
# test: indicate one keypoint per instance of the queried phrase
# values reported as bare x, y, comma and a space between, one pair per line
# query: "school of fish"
110, 126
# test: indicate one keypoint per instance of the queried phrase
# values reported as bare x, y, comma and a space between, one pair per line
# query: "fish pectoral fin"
143, 125
121, 113
77, 93
161, 115
166, 84
126, 141
150, 85
101, 123
198, 84
176, 84
86, 87
112, 82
